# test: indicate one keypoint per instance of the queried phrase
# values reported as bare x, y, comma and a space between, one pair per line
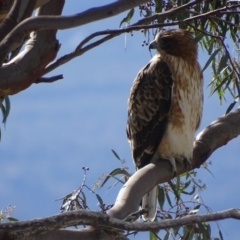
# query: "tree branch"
40, 50
19, 11
57, 22
102, 221
49, 79
77, 52
11, 20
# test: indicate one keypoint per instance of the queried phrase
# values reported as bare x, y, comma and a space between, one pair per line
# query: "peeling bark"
29, 65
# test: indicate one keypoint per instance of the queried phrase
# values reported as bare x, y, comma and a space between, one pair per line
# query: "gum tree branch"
63, 22
11, 20
19, 11
40, 50
105, 222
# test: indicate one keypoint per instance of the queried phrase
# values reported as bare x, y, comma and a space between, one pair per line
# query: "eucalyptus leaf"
115, 154
168, 199
11, 219
128, 17
230, 107
166, 237
161, 197
114, 173
152, 236
220, 234
204, 230
222, 64
99, 200
214, 54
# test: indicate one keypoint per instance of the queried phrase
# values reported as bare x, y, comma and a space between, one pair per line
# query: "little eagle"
165, 106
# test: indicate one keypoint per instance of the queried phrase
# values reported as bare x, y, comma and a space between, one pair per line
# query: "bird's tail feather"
149, 203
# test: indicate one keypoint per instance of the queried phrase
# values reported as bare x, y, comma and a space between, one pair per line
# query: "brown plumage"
165, 105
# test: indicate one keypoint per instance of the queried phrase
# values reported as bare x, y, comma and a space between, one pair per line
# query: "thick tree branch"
5, 7
56, 22
19, 11
11, 20
40, 50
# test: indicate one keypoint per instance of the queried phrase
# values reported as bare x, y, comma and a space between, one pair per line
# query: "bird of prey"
165, 106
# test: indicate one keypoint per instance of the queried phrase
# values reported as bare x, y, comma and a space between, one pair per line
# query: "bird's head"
175, 42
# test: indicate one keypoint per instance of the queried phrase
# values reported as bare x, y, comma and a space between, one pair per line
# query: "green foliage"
127, 18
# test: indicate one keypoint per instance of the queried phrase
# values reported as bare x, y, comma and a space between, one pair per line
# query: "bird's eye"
167, 43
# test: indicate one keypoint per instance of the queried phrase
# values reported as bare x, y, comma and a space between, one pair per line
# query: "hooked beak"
152, 45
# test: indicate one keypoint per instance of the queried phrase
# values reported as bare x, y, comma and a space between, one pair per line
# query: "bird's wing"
148, 106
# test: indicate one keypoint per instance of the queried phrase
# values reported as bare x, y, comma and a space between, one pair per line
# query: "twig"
77, 52
48, 79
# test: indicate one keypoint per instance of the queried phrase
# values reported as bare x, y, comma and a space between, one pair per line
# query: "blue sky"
55, 129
